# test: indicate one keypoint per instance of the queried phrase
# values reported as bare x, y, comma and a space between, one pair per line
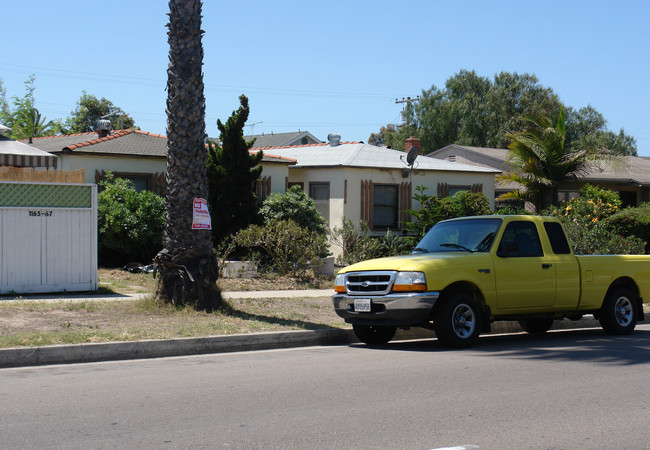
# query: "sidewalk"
114, 351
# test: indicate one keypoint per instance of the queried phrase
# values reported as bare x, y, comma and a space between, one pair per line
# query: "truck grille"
369, 283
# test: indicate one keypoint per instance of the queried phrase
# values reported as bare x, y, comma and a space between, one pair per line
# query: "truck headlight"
410, 281
339, 284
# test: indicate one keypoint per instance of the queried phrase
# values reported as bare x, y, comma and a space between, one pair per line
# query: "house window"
455, 189
385, 206
565, 196
320, 192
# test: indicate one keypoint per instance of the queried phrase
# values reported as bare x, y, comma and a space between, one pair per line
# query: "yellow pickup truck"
469, 272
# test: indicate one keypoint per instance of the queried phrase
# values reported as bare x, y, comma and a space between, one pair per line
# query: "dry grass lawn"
35, 323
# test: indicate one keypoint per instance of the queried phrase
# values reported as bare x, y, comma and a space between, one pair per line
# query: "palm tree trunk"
187, 264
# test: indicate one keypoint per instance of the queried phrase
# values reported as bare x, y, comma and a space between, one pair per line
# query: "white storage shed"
48, 237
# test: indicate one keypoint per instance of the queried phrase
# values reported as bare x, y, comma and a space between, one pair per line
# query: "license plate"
362, 305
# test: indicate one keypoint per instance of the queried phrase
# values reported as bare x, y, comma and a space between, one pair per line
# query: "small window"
320, 192
385, 206
520, 239
556, 236
455, 189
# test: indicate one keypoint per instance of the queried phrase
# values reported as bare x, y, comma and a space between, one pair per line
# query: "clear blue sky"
334, 66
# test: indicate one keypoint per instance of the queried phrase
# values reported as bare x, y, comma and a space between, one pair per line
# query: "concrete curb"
115, 351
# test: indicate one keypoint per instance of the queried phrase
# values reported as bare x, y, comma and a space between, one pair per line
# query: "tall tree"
5, 110
232, 176
542, 160
476, 111
24, 119
187, 264
586, 127
90, 109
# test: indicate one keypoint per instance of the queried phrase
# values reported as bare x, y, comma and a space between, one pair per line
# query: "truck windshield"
469, 235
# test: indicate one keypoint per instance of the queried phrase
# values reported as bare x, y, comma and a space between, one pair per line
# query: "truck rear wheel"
457, 321
374, 335
536, 326
618, 314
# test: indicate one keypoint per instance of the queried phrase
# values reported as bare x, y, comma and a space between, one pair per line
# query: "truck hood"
415, 262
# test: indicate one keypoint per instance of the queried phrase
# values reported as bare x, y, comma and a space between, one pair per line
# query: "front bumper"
391, 309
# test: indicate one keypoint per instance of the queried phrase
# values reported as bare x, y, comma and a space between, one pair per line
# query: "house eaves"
360, 155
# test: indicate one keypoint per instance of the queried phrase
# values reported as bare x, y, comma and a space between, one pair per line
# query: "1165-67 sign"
201, 215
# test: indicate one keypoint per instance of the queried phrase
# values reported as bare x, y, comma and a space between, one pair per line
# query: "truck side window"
556, 236
520, 239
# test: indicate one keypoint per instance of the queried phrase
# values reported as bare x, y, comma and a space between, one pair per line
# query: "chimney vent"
334, 139
104, 127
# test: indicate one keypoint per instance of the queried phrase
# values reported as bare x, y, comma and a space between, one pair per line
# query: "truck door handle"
546, 266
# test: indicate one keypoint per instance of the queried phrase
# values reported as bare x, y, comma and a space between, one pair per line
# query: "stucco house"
139, 156
364, 182
631, 181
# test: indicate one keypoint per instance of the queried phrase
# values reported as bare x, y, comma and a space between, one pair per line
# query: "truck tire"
536, 326
618, 315
374, 335
457, 321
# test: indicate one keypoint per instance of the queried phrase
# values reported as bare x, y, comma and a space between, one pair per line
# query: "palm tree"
187, 264
542, 161
31, 124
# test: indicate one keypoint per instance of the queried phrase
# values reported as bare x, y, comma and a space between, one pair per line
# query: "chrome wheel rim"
463, 321
623, 311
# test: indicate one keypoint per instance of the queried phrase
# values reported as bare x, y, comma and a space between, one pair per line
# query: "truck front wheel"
374, 335
618, 314
457, 322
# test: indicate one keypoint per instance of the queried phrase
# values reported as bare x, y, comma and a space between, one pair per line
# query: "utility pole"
408, 101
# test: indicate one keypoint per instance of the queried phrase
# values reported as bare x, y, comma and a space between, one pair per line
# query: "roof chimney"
103, 127
334, 139
412, 142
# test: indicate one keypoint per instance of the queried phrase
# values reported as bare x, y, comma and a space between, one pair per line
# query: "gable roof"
360, 155
265, 140
282, 139
497, 155
119, 143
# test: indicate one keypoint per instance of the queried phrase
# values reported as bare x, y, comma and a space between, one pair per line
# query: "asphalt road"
566, 389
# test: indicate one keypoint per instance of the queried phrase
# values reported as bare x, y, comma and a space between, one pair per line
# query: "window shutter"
443, 190
367, 188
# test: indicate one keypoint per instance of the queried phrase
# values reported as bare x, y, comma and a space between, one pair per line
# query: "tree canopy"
23, 118
477, 111
90, 109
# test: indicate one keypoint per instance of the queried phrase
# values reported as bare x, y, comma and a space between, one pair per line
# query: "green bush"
511, 210
296, 206
355, 243
599, 240
593, 205
129, 224
632, 222
283, 246
586, 221
433, 209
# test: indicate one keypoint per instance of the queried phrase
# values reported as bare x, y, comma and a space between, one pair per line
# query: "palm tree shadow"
228, 310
